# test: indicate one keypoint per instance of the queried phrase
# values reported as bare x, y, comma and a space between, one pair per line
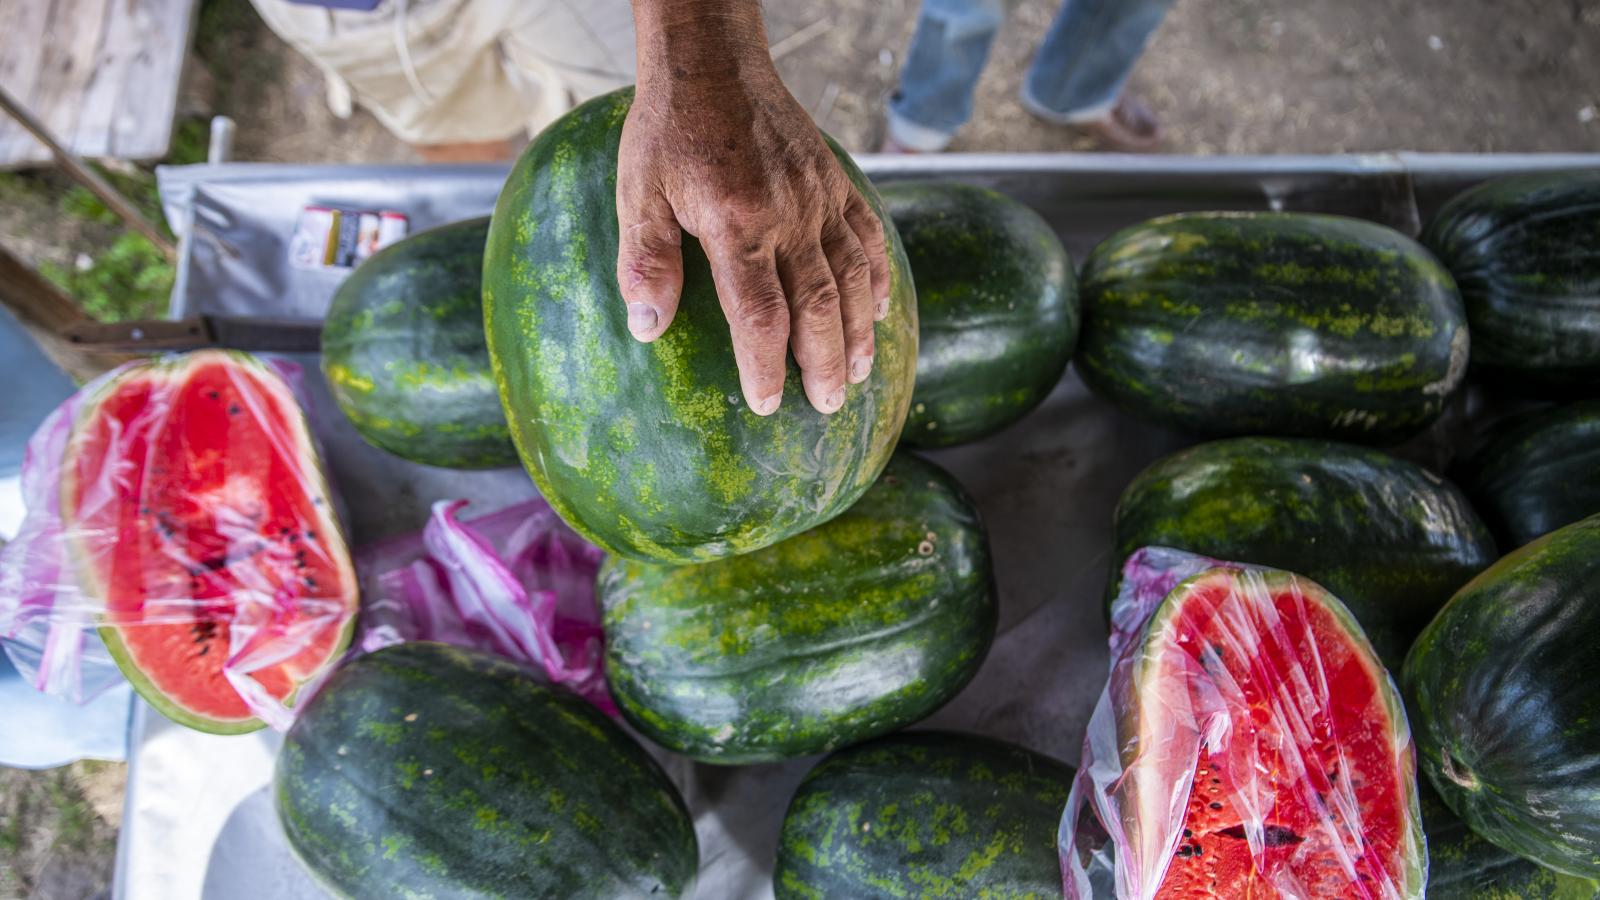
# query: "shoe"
1128, 127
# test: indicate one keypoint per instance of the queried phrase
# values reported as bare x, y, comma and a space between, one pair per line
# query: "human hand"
716, 146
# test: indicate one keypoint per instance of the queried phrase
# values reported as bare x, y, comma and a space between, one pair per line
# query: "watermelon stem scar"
1458, 772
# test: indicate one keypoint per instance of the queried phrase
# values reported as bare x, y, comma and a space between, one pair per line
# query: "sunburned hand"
716, 146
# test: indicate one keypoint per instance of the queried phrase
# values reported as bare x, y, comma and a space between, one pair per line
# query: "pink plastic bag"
197, 503
1245, 707
518, 583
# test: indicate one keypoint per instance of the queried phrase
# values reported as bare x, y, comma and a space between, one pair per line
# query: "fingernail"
768, 406
641, 319
834, 400
860, 368
883, 308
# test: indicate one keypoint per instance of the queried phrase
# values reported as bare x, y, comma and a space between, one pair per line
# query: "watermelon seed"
1185, 851
1271, 835
233, 409
213, 395
1187, 833
310, 535
1215, 805
204, 650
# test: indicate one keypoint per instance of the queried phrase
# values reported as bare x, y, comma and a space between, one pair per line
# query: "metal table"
198, 819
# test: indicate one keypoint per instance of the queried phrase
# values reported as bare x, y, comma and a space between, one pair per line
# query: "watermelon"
1264, 750
1525, 251
998, 304
426, 770
925, 814
648, 449
853, 629
1464, 866
1506, 706
1538, 472
1390, 538
194, 506
1274, 323
405, 357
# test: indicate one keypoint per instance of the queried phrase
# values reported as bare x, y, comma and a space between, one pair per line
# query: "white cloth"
456, 71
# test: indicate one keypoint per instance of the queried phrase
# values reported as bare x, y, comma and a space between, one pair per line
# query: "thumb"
649, 261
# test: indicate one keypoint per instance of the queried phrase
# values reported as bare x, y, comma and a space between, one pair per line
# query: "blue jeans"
1077, 74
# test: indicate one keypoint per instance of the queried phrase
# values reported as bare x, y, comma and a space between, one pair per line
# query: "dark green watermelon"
1464, 866
1525, 252
648, 449
998, 303
1272, 323
1538, 472
855, 628
404, 353
1505, 704
1390, 538
424, 770
925, 814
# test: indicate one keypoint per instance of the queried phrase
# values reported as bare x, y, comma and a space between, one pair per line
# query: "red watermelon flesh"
1287, 755
195, 508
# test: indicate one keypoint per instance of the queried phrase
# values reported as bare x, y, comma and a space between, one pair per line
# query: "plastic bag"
1272, 729
517, 582
177, 507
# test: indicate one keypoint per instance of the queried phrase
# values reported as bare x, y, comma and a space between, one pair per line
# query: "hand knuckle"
760, 309
817, 299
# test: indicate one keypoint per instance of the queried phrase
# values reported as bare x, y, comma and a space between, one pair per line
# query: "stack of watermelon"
792, 585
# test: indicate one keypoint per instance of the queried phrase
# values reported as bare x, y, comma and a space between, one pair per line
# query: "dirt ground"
1225, 76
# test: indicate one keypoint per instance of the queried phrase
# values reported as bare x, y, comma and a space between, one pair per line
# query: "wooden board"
101, 74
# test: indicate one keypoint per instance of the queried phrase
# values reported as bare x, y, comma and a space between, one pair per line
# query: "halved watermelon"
1266, 751
195, 509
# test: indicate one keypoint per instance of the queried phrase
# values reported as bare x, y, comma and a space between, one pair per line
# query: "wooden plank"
22, 31
46, 314
72, 42
102, 75
97, 108
161, 29
33, 299
88, 177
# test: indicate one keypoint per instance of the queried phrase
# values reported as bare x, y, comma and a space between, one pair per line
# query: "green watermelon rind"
671, 659
997, 299
1186, 324
440, 418
79, 555
1532, 611
647, 450
1391, 539
370, 794
982, 797
1147, 671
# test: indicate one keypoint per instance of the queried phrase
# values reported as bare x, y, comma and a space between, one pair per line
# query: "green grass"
126, 276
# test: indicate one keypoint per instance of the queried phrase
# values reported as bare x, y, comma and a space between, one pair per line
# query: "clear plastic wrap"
1247, 742
517, 582
178, 520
